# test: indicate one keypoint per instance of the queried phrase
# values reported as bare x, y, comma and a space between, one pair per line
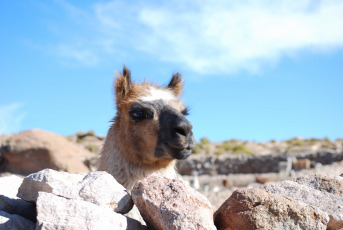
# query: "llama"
149, 133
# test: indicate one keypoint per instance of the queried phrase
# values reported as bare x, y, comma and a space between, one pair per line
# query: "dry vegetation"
205, 147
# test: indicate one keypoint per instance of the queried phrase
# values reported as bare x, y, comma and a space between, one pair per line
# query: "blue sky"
254, 70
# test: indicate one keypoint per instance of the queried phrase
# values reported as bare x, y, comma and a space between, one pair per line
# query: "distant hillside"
94, 143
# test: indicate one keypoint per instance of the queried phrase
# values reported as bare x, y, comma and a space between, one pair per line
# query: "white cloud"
214, 36
80, 54
11, 118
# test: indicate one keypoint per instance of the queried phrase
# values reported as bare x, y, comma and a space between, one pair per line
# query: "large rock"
170, 204
99, 188
258, 209
33, 150
323, 182
330, 203
56, 212
10, 203
15, 222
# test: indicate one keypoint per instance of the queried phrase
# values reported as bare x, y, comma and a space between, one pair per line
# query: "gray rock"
323, 182
99, 188
330, 203
102, 189
15, 222
248, 209
170, 204
12, 204
56, 212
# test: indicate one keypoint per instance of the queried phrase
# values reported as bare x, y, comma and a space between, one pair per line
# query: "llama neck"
114, 162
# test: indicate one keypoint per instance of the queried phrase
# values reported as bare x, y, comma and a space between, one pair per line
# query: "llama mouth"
180, 154
167, 151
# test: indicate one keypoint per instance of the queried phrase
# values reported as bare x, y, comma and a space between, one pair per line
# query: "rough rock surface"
33, 150
258, 209
14, 222
170, 204
60, 213
10, 203
99, 188
323, 182
330, 203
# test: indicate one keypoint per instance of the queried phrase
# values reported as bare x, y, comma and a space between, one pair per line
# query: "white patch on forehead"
158, 94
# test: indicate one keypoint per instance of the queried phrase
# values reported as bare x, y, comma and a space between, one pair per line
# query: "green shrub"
219, 151
80, 135
197, 149
204, 141
207, 149
299, 142
288, 149
241, 149
91, 148
90, 133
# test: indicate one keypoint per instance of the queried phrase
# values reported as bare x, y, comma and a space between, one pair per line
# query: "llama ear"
122, 84
176, 84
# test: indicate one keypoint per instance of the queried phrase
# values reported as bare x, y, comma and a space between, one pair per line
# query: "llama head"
150, 122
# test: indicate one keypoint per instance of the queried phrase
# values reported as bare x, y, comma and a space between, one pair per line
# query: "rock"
33, 150
99, 188
56, 212
170, 204
102, 189
10, 203
323, 182
258, 209
330, 203
14, 222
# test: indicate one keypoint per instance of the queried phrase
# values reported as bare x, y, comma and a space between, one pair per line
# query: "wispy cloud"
206, 36
11, 118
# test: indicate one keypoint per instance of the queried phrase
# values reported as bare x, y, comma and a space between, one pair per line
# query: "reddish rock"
171, 204
33, 150
258, 209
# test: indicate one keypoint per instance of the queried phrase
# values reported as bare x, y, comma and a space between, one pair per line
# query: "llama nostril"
180, 131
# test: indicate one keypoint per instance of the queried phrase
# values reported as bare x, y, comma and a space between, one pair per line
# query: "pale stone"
99, 188
102, 189
56, 212
323, 182
330, 203
258, 209
171, 204
10, 203
15, 222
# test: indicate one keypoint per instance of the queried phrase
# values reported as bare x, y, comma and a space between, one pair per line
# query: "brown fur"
128, 151
301, 163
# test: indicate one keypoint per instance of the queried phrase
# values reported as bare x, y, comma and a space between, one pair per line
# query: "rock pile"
311, 202
69, 201
59, 200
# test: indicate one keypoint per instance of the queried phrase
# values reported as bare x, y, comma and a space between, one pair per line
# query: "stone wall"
223, 165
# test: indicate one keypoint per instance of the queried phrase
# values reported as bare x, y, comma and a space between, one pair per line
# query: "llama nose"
183, 128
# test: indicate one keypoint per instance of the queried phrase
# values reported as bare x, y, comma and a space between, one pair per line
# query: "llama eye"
137, 115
